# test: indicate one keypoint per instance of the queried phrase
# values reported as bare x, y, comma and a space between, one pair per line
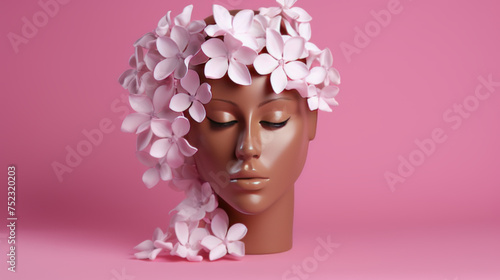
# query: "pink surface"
403, 82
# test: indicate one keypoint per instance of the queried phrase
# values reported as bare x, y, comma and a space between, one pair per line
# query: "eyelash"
271, 125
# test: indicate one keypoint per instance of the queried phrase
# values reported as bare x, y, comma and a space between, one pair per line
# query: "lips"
250, 181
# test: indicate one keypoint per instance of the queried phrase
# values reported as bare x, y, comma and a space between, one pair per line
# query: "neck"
269, 231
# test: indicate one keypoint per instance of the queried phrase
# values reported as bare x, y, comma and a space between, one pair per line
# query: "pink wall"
416, 76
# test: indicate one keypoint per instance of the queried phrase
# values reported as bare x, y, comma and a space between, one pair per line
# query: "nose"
249, 144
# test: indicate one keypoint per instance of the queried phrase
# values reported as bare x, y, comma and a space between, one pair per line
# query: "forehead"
258, 92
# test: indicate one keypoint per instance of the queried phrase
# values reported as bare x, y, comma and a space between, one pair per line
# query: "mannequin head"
235, 98
253, 143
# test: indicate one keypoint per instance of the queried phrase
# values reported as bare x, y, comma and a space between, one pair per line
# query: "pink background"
441, 223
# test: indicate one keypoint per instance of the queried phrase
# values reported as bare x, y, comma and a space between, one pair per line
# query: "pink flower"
229, 56
174, 146
326, 61
189, 242
185, 177
132, 79
322, 98
183, 19
224, 241
281, 60
199, 201
149, 249
240, 26
289, 12
177, 50
148, 113
159, 169
198, 95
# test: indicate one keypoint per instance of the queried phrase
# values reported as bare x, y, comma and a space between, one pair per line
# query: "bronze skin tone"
252, 147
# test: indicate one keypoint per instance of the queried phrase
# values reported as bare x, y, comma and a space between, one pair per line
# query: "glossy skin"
253, 143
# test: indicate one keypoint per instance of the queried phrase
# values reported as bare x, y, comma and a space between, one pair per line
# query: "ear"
312, 121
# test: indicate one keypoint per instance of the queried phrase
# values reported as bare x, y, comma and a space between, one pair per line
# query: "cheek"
284, 151
215, 152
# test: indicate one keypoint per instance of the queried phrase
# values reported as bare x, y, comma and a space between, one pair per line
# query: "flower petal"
265, 64
296, 70
334, 76
180, 36
174, 156
239, 73
293, 49
274, 43
161, 128
216, 68
165, 172
184, 18
196, 236
210, 242
242, 21
218, 252
236, 232
191, 82
161, 98
151, 177
145, 245
197, 111
222, 17
141, 104
164, 245
180, 126
143, 139
236, 248
185, 148
313, 103
214, 48
132, 122
160, 148
165, 67
303, 16
204, 93
167, 47
245, 55
219, 224
316, 76
182, 232
278, 80
180, 102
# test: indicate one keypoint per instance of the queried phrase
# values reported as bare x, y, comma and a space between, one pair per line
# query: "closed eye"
215, 124
274, 125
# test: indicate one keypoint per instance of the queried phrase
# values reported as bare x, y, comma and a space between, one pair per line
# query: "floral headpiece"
163, 87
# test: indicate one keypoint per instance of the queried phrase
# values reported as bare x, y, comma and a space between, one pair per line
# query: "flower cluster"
164, 88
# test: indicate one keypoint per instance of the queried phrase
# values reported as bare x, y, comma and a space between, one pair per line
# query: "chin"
250, 203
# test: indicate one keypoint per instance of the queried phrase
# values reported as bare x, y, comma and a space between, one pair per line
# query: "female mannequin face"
253, 143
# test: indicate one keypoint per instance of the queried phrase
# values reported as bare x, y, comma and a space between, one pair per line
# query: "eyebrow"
260, 105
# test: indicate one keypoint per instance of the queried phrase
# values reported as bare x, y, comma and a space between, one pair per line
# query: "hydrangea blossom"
164, 89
